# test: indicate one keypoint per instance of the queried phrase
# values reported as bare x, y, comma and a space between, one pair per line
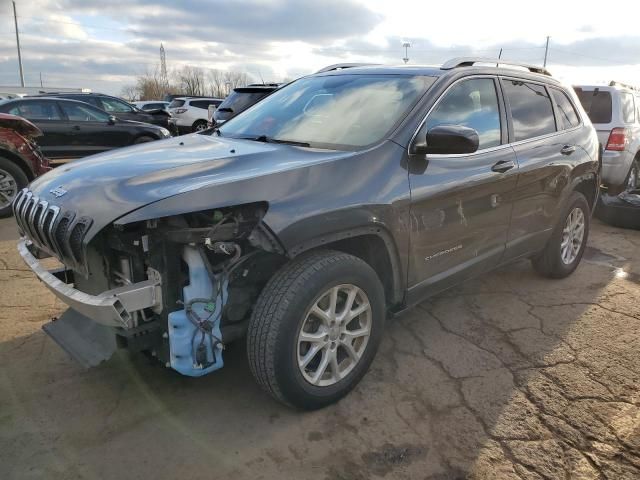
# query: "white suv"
614, 111
190, 114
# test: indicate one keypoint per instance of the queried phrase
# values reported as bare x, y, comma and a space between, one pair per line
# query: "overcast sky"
104, 44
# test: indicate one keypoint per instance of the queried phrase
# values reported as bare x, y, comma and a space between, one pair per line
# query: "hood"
21, 125
107, 186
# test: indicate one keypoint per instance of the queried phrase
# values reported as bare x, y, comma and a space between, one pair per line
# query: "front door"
461, 204
93, 132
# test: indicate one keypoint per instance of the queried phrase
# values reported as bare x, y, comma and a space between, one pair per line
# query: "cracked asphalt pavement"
507, 376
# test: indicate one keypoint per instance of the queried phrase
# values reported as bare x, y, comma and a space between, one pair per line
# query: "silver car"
614, 110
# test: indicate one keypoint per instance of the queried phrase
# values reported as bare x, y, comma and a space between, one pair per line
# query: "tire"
12, 180
633, 177
283, 309
550, 262
143, 139
199, 126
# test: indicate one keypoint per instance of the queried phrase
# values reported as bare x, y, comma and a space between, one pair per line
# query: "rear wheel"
12, 180
633, 179
315, 329
566, 246
199, 126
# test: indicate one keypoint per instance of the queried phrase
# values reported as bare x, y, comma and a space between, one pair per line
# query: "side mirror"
447, 140
112, 120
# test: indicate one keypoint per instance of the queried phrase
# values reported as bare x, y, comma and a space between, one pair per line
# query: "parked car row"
72, 129
614, 110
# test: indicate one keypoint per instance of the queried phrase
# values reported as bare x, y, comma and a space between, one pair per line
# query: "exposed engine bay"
208, 269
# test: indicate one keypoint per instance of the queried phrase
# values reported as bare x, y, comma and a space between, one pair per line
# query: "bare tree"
187, 80
129, 93
191, 80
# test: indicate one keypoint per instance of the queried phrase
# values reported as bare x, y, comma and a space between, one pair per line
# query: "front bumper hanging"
113, 308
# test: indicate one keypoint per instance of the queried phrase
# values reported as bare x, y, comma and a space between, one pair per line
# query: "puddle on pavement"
596, 256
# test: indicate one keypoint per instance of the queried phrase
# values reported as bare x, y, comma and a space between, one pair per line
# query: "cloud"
104, 45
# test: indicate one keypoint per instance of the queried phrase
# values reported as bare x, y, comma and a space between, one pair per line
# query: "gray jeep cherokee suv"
305, 221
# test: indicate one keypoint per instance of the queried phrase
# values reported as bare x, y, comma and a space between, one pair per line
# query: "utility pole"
499, 57
15, 20
546, 53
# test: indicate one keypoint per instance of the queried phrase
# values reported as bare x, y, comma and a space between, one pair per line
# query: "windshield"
337, 112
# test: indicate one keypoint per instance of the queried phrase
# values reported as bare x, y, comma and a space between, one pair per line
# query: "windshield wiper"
265, 139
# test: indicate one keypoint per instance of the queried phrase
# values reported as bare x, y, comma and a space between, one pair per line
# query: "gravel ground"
507, 376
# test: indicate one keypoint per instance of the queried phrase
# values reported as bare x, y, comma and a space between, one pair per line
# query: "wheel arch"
372, 244
589, 186
19, 161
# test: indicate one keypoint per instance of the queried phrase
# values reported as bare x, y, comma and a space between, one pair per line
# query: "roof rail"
342, 66
470, 61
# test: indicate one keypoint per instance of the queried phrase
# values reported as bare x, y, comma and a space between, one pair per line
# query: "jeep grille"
51, 229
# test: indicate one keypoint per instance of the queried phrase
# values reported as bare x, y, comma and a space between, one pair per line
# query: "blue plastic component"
181, 329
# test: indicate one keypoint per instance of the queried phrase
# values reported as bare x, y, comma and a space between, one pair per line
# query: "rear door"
547, 149
461, 204
46, 115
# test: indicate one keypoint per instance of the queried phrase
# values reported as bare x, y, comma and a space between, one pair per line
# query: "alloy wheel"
572, 236
8, 188
334, 335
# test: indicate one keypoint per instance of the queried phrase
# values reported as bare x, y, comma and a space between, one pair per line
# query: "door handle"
503, 166
76, 127
568, 149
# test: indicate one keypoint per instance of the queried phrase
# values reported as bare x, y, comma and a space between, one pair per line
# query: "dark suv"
305, 221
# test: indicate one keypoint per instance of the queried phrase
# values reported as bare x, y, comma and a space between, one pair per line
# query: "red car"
20, 158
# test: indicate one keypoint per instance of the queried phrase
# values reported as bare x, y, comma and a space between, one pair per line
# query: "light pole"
15, 20
406, 46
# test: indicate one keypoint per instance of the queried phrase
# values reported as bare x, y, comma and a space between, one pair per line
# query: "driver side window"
473, 104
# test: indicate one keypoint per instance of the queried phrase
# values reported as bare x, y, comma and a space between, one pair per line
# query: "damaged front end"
178, 288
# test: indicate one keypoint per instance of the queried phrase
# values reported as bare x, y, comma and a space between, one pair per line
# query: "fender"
372, 228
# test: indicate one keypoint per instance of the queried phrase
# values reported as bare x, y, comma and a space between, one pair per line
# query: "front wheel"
12, 180
315, 329
565, 248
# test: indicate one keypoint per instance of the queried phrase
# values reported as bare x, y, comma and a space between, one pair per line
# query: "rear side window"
176, 103
597, 103
531, 110
204, 104
37, 110
473, 104
628, 107
567, 115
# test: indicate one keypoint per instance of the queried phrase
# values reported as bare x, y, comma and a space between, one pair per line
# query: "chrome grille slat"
30, 220
17, 205
58, 232
41, 218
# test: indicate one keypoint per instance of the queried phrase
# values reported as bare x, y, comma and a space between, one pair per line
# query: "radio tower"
163, 65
